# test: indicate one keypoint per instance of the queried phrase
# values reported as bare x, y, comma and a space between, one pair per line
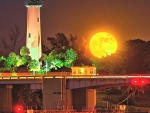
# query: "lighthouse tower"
33, 37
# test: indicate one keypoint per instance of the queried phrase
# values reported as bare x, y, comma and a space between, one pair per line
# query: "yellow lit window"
74, 71
91, 71
79, 71
85, 71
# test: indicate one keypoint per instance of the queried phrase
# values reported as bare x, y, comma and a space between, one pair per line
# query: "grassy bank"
140, 104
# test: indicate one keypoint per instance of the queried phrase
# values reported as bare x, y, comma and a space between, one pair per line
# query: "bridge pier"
54, 92
56, 96
6, 98
81, 98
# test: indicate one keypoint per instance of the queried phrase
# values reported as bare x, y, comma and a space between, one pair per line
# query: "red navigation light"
18, 109
135, 82
139, 82
143, 82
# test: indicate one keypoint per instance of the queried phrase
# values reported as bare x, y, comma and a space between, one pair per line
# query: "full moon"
103, 44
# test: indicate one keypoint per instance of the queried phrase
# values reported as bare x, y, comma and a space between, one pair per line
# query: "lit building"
33, 38
87, 70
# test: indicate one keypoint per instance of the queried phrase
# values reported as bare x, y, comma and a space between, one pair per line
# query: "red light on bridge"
135, 82
143, 82
18, 109
139, 82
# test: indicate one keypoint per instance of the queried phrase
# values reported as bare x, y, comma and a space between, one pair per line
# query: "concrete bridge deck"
72, 81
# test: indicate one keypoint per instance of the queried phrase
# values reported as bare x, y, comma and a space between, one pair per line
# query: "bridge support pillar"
83, 98
54, 93
69, 99
91, 98
6, 98
79, 98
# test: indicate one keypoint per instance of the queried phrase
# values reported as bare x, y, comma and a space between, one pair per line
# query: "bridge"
66, 89
73, 81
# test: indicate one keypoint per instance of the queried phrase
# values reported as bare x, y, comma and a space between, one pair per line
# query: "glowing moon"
103, 44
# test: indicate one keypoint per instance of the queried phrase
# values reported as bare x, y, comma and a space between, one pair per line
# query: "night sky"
125, 19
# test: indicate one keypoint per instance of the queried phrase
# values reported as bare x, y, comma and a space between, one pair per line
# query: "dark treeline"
13, 42
134, 58
79, 44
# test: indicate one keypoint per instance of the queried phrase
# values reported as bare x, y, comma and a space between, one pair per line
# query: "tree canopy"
58, 58
74, 51
133, 58
78, 44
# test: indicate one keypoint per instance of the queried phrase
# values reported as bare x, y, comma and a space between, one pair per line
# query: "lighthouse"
33, 36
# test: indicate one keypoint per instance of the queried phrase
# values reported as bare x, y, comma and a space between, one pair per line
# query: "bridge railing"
57, 109
78, 109
29, 75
